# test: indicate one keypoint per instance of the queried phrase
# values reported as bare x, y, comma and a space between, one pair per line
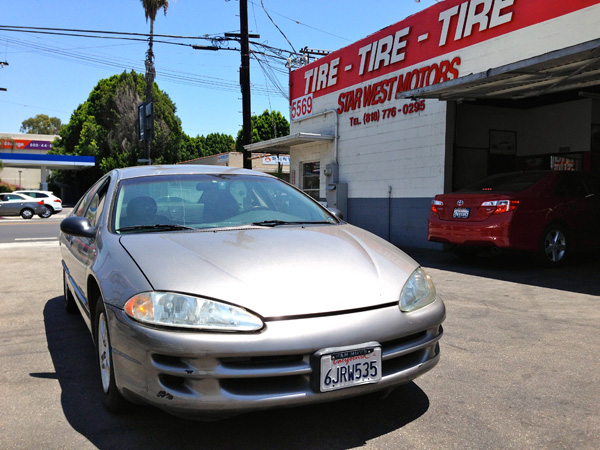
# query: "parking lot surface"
519, 370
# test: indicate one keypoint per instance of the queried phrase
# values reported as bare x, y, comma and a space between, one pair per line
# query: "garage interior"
540, 113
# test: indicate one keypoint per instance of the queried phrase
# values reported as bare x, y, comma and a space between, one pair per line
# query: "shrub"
5, 187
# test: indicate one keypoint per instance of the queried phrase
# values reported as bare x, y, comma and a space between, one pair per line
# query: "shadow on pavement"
338, 425
579, 273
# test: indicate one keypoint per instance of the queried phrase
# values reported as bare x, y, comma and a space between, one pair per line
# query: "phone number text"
388, 113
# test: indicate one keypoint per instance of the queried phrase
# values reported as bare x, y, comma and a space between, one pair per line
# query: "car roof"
182, 169
20, 194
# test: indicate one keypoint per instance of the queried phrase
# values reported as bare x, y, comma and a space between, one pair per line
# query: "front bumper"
197, 374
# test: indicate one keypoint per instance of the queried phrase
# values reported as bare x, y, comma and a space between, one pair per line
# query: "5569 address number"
302, 106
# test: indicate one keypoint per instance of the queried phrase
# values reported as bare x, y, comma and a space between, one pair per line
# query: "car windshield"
206, 201
505, 182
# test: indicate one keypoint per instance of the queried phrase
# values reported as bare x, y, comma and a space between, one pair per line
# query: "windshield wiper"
157, 227
274, 223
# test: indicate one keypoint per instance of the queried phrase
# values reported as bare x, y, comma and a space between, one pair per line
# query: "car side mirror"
77, 226
338, 214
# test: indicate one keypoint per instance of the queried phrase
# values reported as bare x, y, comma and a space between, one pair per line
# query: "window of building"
310, 178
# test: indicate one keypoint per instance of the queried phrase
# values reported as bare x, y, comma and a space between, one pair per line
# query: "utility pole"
243, 37
245, 83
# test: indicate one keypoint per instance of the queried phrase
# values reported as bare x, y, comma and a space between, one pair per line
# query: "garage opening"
541, 113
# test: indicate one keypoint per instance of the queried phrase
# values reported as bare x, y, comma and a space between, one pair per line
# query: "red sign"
443, 28
23, 144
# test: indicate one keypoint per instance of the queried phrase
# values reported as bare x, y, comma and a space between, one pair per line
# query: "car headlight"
183, 311
417, 292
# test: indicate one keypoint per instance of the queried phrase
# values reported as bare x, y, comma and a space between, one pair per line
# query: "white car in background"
51, 201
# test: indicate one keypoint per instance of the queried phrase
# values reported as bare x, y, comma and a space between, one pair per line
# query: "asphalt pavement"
519, 370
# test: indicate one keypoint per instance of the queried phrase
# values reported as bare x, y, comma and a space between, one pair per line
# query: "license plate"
350, 366
460, 213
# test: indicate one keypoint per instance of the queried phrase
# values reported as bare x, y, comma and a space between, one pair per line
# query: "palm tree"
151, 8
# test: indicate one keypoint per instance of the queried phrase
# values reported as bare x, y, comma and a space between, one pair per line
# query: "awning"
283, 144
574, 68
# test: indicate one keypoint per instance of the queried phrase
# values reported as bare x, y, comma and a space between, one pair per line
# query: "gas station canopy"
50, 162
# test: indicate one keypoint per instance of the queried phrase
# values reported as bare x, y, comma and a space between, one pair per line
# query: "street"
519, 370
17, 230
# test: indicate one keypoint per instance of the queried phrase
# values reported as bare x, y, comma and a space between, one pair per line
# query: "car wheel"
553, 246
70, 305
113, 400
47, 212
27, 213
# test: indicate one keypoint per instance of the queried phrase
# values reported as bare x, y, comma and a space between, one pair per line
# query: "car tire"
47, 212
27, 213
553, 246
113, 400
70, 305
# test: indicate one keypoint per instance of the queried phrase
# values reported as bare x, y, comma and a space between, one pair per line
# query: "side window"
92, 203
94, 211
85, 200
593, 185
571, 186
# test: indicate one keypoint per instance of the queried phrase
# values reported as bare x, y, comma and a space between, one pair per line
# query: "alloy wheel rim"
555, 246
104, 352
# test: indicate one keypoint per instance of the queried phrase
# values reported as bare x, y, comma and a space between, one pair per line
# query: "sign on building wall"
426, 49
275, 160
22, 144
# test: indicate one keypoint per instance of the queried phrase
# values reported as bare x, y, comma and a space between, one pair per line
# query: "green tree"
212, 144
105, 126
41, 124
216, 143
269, 125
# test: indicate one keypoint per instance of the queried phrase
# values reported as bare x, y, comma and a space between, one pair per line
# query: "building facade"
457, 92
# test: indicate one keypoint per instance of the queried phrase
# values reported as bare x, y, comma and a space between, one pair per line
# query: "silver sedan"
14, 204
212, 291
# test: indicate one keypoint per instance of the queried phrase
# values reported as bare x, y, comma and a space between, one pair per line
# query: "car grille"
279, 375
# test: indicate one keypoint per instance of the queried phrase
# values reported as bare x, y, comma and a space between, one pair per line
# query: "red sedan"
548, 212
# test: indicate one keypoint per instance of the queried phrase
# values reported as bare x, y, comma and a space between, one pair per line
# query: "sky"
53, 74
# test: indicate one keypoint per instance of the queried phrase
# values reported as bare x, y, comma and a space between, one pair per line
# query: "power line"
178, 77
276, 26
298, 22
57, 33
123, 33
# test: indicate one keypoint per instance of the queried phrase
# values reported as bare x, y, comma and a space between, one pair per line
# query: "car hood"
276, 272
